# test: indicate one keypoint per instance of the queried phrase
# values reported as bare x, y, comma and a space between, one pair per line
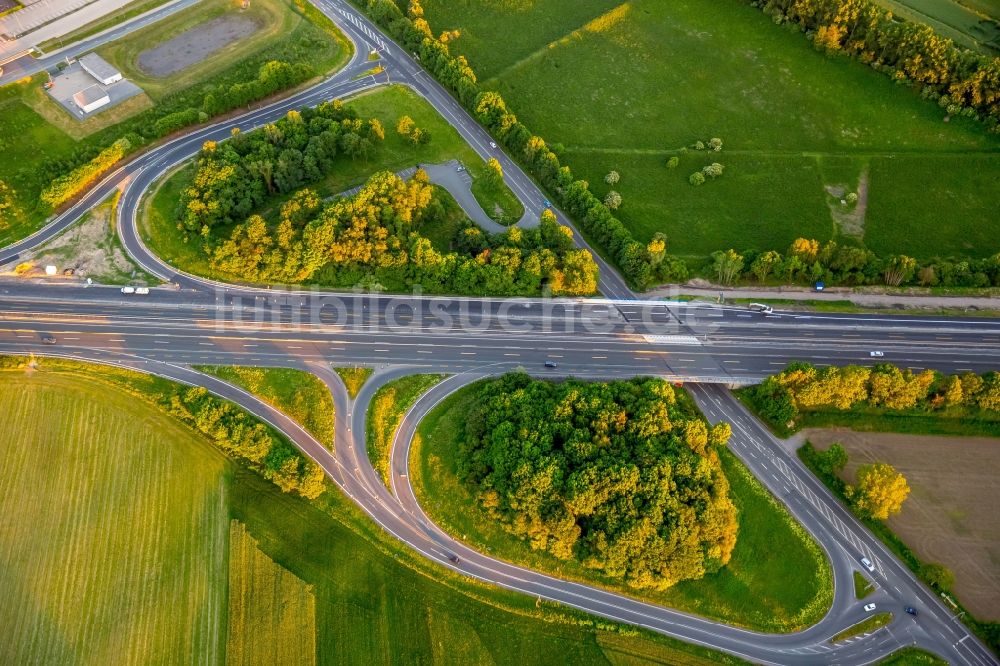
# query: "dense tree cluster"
237, 433
802, 386
374, 237
66, 187
961, 80
234, 177
808, 261
620, 476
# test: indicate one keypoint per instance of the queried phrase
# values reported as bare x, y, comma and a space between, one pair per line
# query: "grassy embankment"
386, 411
159, 218
39, 139
126, 560
867, 626
912, 657
862, 586
354, 379
624, 86
297, 393
756, 589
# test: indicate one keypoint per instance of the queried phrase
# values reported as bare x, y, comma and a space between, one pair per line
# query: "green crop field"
626, 85
272, 614
756, 589
113, 528
118, 547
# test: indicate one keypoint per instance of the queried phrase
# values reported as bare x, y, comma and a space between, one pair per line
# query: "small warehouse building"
100, 69
92, 98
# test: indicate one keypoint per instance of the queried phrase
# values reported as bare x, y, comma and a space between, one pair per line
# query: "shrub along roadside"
876, 398
989, 632
297, 393
227, 426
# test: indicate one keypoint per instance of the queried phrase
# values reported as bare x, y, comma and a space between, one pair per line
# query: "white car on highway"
128, 290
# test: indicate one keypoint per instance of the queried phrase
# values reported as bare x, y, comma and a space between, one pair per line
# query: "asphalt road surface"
199, 321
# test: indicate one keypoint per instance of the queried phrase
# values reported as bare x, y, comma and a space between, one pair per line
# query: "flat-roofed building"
92, 98
100, 69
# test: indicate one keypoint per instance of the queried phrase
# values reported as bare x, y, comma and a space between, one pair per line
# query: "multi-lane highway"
199, 321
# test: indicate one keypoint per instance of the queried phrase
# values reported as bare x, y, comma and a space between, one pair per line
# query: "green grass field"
159, 218
386, 411
40, 141
625, 85
272, 613
129, 559
113, 528
756, 589
862, 586
297, 393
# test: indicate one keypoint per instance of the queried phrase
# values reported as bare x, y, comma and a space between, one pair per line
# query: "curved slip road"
197, 325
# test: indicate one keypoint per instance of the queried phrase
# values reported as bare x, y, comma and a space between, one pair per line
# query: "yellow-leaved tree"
880, 491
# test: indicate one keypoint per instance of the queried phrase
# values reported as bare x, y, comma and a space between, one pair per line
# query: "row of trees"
808, 261
971, 80
803, 387
374, 237
66, 187
237, 433
619, 476
905, 50
638, 264
233, 178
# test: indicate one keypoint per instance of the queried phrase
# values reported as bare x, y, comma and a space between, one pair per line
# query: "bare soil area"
951, 514
194, 45
89, 249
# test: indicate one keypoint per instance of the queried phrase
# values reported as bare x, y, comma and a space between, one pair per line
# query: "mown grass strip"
388, 406
864, 627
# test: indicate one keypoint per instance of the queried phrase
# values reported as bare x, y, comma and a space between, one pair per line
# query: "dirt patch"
194, 45
850, 217
89, 249
950, 516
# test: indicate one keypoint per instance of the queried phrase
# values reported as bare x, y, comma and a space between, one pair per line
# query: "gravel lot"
194, 45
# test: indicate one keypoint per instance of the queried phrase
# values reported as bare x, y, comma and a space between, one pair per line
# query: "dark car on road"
551, 364
910, 610
48, 339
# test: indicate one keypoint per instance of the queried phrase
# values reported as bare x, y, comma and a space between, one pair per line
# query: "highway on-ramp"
200, 321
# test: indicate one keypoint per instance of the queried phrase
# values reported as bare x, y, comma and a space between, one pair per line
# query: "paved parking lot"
73, 79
